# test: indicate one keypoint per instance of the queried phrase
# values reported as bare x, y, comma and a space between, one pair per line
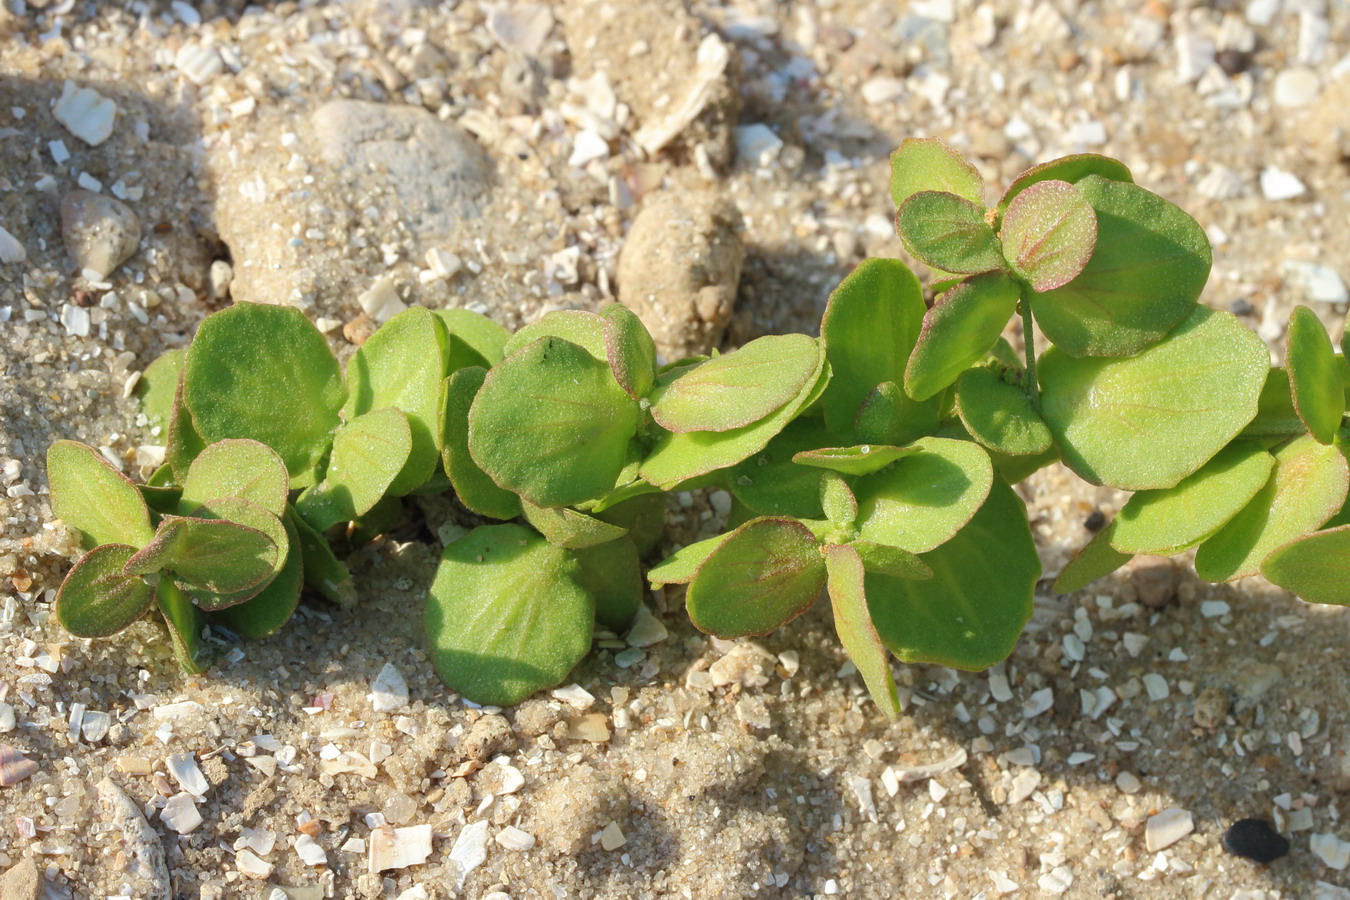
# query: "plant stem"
1029, 383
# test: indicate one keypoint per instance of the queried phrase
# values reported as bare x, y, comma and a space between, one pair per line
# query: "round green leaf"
97, 598
999, 415
889, 417
1314, 566
887, 560
1275, 413
1307, 489
741, 387
969, 615
612, 575
1096, 559
236, 468
402, 366
771, 484
926, 497
368, 455
853, 624
682, 565
158, 384
947, 232
1150, 263
568, 528
1167, 521
765, 574
504, 616
183, 440
263, 614
629, 349
959, 330
480, 334
266, 373
585, 329
473, 487
1048, 234
93, 497
551, 424
242, 512
1150, 420
1314, 375
213, 555
1072, 169
927, 164
863, 459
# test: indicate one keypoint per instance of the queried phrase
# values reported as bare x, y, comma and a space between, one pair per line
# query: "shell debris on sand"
398, 848
144, 870
86, 113
14, 766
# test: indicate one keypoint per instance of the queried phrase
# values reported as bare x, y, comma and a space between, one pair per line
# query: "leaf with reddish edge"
93, 497
863, 459
267, 611
237, 467
682, 565
927, 164
472, 486
884, 559
1049, 233
853, 624
1314, 566
217, 556
765, 574
577, 326
949, 233
1072, 169
959, 330
630, 350
98, 598
242, 512
1314, 375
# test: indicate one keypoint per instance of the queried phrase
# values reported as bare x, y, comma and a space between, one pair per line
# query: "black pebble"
1254, 839
1095, 521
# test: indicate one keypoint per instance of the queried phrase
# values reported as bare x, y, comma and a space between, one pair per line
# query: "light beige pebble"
100, 232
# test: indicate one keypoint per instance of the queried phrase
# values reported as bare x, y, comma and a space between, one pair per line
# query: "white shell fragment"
86, 113
183, 768
180, 813
512, 838
381, 302
522, 27
389, 690
11, 251
199, 64
259, 840
575, 696
712, 59
398, 848
470, 849
918, 773
1166, 828
248, 863
1277, 184
612, 837
310, 852
1331, 850
647, 629
144, 870
14, 766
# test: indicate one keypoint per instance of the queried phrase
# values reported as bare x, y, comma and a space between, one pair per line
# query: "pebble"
1039, 702
144, 870
1296, 87
1319, 283
389, 690
647, 629
100, 232
521, 27
1155, 581
1129, 783
882, 89
381, 301
23, 882
1277, 184
757, 144
612, 837
1023, 785
512, 838
1057, 880
250, 865
1256, 840
575, 696
11, 251
470, 849
86, 113
1166, 828
180, 813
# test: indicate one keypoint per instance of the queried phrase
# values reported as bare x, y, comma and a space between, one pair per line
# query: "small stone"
488, 737
198, 64
1256, 840
1166, 828
180, 813
1319, 283
1277, 184
1296, 87
522, 27
95, 727
1129, 782
612, 837
588, 147
11, 251
470, 849
882, 89
100, 232
86, 113
1155, 582
1211, 707
1331, 850
22, 882
1024, 785
389, 690
1214, 609
1039, 702
144, 869
381, 301
1057, 880
512, 838
757, 144
646, 630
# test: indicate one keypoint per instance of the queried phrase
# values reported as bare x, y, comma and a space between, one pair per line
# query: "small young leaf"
242, 512
630, 350
612, 575
682, 565
161, 500
1314, 375
869, 328
1314, 566
1308, 487
236, 468
323, 572
837, 500
946, 232
1150, 263
1049, 232
216, 556
765, 574
93, 497
771, 484
959, 330
369, 453
568, 528
926, 497
504, 616
265, 372
1096, 560
1150, 420
889, 417
159, 384
97, 599
861, 460
484, 337
402, 366
884, 559
263, 614
551, 424
853, 624
183, 441
473, 487
1072, 169
1167, 521
969, 615
740, 388
585, 329
927, 164
999, 415
186, 623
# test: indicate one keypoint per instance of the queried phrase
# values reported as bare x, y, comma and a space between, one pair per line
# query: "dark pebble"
1254, 839
1233, 61
1242, 307
1095, 521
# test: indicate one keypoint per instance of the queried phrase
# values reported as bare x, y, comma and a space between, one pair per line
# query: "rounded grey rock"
100, 232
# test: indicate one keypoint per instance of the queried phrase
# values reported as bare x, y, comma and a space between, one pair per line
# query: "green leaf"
853, 624
682, 565
505, 617
644, 516
213, 555
999, 415
740, 388
323, 572
947, 232
158, 385
1096, 559
926, 497
368, 456
551, 424
927, 164
1048, 234
629, 349
236, 468
1314, 566
473, 487
837, 500
265, 372
568, 528
93, 497
242, 512
884, 559
863, 459
1314, 375
402, 365
161, 500
765, 574
585, 329
380, 519
484, 337
1308, 487
870, 325
183, 441
97, 598
771, 484
1167, 521
186, 623
1150, 263
1072, 169
612, 575
969, 615
1150, 420
1275, 413
889, 417
263, 614
959, 330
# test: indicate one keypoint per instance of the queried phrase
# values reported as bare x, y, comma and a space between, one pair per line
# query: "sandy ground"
508, 152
